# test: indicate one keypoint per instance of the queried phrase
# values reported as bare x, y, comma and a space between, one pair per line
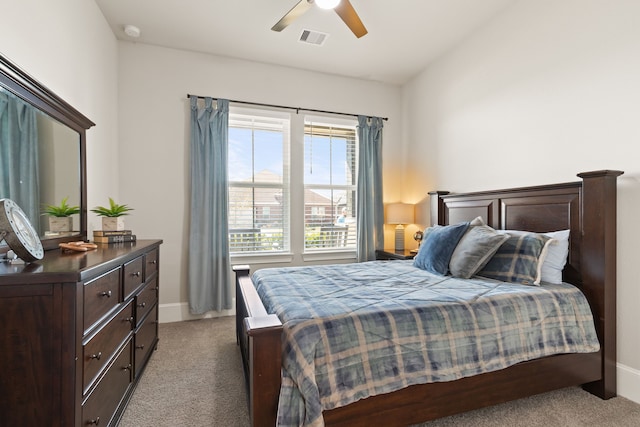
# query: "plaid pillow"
518, 260
554, 262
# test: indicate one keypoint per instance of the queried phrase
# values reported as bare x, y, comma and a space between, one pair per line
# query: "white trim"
179, 312
628, 382
261, 259
329, 256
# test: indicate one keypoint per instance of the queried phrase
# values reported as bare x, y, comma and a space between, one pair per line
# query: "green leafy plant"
61, 211
114, 209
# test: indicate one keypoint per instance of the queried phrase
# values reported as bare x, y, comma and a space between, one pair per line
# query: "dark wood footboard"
259, 337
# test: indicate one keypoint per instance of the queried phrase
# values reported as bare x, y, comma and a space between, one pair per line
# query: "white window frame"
284, 186
335, 237
294, 171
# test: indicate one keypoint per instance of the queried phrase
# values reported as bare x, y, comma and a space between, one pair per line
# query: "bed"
587, 208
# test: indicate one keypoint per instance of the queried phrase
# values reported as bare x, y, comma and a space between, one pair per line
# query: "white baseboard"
179, 312
628, 382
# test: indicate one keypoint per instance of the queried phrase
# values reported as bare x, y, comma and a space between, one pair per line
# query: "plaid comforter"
356, 330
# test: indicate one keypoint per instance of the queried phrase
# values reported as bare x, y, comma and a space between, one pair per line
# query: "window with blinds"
258, 183
330, 159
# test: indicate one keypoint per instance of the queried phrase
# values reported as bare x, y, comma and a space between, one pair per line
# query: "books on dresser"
122, 236
102, 233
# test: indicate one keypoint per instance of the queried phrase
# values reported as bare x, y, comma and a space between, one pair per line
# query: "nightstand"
389, 254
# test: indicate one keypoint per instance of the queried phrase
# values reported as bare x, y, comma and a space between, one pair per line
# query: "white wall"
548, 89
68, 46
154, 135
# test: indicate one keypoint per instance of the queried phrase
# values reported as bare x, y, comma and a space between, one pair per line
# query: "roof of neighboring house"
273, 196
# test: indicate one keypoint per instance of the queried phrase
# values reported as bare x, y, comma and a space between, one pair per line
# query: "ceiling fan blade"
348, 14
292, 15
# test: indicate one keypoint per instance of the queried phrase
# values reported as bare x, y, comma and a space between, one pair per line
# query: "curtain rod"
298, 109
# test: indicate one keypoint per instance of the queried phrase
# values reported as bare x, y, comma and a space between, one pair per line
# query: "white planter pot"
60, 224
112, 223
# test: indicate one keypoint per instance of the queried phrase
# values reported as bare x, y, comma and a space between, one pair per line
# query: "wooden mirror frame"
22, 85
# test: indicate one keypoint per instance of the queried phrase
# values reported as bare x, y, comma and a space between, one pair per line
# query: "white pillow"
556, 258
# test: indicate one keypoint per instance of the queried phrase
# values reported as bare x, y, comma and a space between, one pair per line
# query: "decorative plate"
18, 232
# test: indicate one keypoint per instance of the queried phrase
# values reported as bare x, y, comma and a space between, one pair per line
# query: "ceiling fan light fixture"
327, 4
343, 9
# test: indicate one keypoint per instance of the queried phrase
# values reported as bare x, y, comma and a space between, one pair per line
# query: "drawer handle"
136, 274
96, 356
129, 319
142, 305
155, 261
127, 368
94, 422
106, 294
140, 347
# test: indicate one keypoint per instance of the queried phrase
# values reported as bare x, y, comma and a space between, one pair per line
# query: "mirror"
42, 154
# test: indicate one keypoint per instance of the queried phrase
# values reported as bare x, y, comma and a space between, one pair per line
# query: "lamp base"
399, 238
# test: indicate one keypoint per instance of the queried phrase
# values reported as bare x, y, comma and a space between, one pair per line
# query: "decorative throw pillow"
475, 249
556, 257
438, 244
519, 259
557, 254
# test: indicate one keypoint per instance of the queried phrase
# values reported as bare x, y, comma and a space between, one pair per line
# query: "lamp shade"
400, 213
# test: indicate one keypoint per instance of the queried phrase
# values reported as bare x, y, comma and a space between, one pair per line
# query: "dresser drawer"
146, 299
151, 264
100, 406
100, 348
144, 339
133, 276
101, 295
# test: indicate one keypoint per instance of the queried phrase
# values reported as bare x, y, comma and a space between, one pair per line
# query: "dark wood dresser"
76, 331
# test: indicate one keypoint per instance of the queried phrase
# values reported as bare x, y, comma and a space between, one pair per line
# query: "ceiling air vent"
313, 37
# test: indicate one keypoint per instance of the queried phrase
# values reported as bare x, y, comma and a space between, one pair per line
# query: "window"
291, 191
329, 185
258, 183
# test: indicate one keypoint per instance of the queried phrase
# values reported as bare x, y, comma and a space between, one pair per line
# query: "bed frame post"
437, 207
259, 336
599, 268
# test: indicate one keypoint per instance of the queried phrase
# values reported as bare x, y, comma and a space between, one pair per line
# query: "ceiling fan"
343, 8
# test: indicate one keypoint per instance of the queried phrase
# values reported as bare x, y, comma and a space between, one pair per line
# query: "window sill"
262, 259
330, 256
287, 258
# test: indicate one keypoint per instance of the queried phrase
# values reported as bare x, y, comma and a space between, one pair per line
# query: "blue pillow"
437, 247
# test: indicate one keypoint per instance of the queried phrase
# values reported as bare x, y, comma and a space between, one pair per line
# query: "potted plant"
112, 216
60, 220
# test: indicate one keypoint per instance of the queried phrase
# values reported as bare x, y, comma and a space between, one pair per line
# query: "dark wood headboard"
588, 209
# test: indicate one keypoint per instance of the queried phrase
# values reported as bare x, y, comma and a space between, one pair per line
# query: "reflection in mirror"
42, 155
40, 162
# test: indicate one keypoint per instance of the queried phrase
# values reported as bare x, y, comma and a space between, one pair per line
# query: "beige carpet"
195, 379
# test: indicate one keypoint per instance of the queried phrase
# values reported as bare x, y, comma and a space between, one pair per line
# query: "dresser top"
59, 266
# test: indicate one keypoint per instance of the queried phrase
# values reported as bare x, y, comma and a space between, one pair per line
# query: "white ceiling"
404, 35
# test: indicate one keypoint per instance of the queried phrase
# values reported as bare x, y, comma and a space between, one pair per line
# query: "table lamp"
400, 214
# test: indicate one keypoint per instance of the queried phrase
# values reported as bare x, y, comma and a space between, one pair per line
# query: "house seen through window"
276, 208
329, 185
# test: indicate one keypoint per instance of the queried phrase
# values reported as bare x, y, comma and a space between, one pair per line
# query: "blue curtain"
19, 177
210, 286
370, 207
